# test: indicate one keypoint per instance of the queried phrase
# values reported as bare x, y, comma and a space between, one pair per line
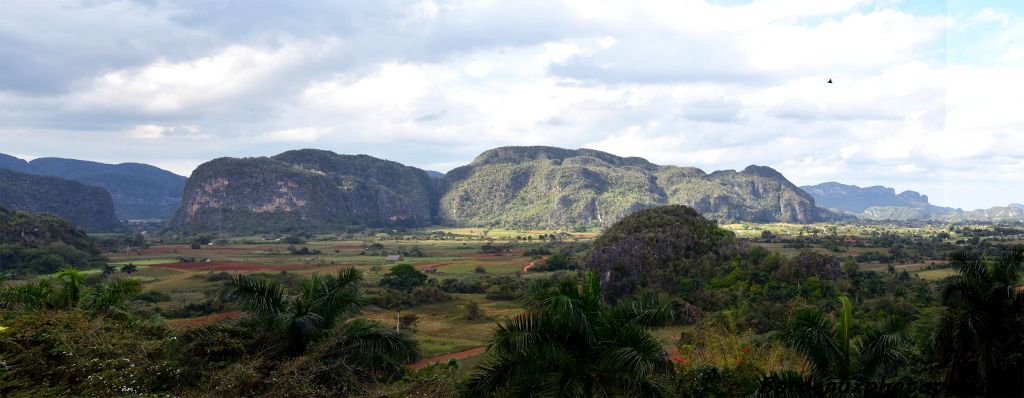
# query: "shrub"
471, 311
403, 277
461, 286
429, 295
64, 353
153, 296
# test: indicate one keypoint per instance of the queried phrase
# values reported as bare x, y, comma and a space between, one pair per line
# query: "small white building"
394, 258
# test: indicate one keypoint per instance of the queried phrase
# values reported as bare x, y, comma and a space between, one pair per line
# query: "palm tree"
837, 357
67, 290
310, 333
320, 309
129, 268
569, 343
980, 337
109, 269
109, 297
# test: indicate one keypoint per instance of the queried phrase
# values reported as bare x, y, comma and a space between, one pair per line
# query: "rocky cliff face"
304, 190
758, 194
555, 187
87, 206
528, 187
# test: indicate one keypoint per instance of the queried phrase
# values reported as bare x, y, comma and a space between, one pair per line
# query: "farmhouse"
394, 258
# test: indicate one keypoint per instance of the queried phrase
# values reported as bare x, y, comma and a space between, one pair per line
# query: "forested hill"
41, 244
305, 190
555, 187
541, 187
87, 206
138, 191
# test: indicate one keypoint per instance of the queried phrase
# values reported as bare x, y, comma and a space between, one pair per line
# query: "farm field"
187, 275
190, 275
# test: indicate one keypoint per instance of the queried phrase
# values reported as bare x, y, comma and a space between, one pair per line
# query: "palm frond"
264, 298
497, 372
882, 350
812, 335
108, 297
27, 296
371, 346
338, 295
646, 311
72, 286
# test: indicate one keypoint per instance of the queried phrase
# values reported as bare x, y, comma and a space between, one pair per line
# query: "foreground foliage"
980, 338
67, 290
569, 343
308, 339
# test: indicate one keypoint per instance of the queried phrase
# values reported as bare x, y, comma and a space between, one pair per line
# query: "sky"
926, 95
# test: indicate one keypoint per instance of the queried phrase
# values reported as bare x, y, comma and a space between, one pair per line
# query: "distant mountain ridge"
87, 206
138, 191
854, 199
509, 186
882, 203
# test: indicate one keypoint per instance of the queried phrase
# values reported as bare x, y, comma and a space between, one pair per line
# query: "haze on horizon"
926, 94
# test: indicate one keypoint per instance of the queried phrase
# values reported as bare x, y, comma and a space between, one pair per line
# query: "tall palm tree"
837, 357
569, 343
66, 290
980, 337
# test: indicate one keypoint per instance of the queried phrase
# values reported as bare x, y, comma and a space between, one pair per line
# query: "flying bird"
830, 80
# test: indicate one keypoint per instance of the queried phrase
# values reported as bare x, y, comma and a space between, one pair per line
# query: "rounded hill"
654, 247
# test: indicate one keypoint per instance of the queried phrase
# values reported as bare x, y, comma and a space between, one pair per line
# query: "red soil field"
484, 255
209, 249
228, 266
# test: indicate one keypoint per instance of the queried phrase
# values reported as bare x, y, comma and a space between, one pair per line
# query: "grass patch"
936, 274
156, 261
434, 346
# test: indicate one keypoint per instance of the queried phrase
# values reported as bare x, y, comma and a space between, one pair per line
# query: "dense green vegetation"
72, 339
553, 187
139, 191
663, 303
32, 244
569, 343
654, 248
87, 206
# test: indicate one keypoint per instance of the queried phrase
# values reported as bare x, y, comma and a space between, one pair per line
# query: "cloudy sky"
927, 95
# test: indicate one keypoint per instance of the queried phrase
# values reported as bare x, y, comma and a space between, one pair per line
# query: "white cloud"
154, 131
301, 134
918, 101
165, 86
